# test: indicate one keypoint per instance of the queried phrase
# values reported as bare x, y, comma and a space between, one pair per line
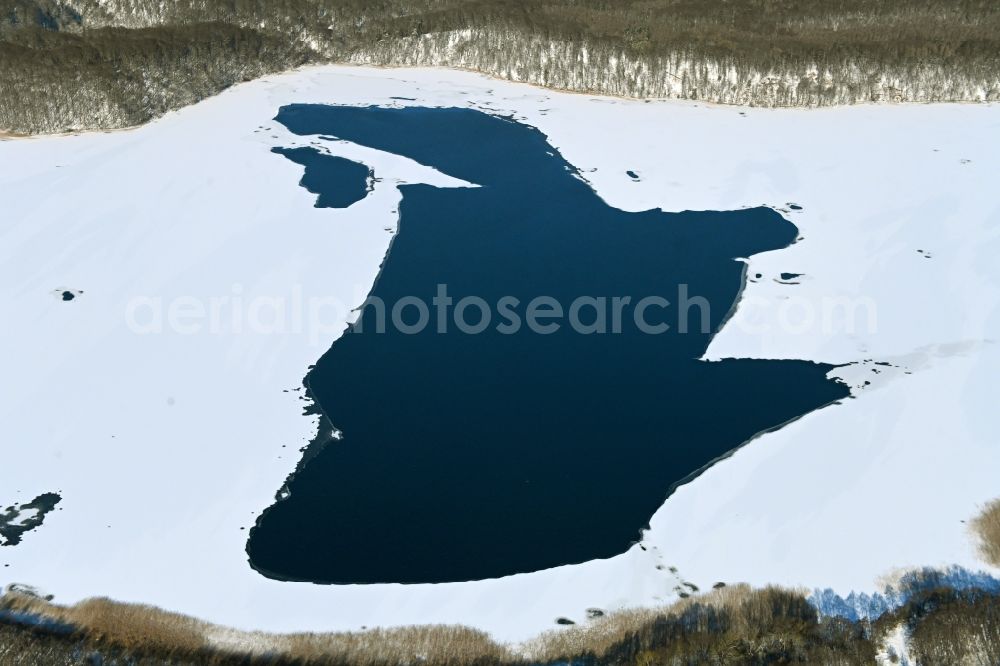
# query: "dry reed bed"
728, 625
746, 605
987, 527
140, 629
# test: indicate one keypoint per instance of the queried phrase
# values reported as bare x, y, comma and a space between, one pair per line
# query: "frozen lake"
165, 446
524, 388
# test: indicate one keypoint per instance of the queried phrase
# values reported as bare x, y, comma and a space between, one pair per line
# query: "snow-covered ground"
165, 446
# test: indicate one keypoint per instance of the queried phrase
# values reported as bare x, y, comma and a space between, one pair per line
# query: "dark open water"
476, 456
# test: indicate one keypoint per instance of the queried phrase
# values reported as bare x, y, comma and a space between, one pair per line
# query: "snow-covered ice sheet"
165, 447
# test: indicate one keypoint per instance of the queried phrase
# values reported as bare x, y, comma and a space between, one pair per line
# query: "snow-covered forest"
89, 64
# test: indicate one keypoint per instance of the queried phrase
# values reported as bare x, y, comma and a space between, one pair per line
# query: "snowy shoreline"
165, 448
306, 69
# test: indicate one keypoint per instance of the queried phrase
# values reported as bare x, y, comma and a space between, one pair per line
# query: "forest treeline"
75, 64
